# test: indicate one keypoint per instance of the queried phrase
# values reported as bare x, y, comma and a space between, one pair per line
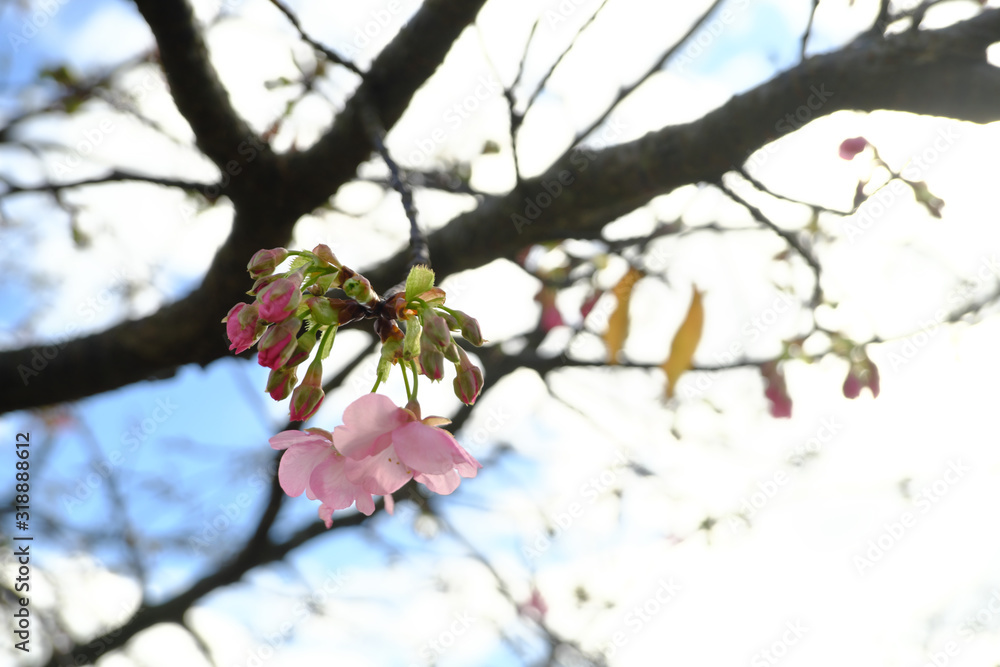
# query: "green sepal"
411, 341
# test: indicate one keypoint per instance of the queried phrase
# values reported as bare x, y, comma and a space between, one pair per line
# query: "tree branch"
940, 72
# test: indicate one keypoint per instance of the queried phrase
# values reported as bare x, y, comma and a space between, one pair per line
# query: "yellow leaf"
685, 342
617, 331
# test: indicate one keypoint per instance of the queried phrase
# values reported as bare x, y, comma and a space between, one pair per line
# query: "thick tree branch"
941, 72
194, 84
269, 193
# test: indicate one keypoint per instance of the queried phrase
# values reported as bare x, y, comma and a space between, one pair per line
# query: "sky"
854, 532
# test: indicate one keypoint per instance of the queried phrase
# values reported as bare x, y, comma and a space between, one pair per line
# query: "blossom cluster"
380, 446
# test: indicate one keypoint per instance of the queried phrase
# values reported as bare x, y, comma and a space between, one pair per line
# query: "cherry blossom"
390, 445
312, 464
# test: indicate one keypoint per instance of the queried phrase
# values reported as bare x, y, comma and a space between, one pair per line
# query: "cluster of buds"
291, 312
380, 446
425, 341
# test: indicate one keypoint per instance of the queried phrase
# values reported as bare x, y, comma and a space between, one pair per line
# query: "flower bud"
243, 327
323, 252
280, 299
323, 310
469, 327
308, 396
469, 379
851, 147
303, 347
451, 352
263, 282
280, 382
278, 343
358, 288
264, 262
431, 362
436, 330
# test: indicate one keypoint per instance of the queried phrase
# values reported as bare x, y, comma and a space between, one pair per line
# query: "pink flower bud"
303, 347
469, 379
279, 299
852, 385
243, 327
776, 391
280, 382
324, 253
264, 262
469, 327
863, 373
851, 147
436, 330
432, 362
308, 396
278, 344
873, 379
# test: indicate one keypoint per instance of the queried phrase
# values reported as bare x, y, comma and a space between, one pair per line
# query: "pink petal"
297, 465
366, 504
425, 448
326, 513
390, 504
287, 439
469, 465
365, 421
380, 474
443, 484
329, 483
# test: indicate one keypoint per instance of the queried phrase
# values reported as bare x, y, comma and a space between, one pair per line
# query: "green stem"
406, 383
416, 377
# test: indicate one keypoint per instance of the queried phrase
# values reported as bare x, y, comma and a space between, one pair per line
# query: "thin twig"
330, 55
420, 252
809, 25
790, 238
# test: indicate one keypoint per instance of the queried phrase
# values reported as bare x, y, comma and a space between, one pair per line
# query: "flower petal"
365, 421
329, 483
287, 439
443, 484
326, 514
426, 449
297, 465
381, 474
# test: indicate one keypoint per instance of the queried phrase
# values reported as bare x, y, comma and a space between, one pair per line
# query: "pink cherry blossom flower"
312, 464
389, 445
851, 147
